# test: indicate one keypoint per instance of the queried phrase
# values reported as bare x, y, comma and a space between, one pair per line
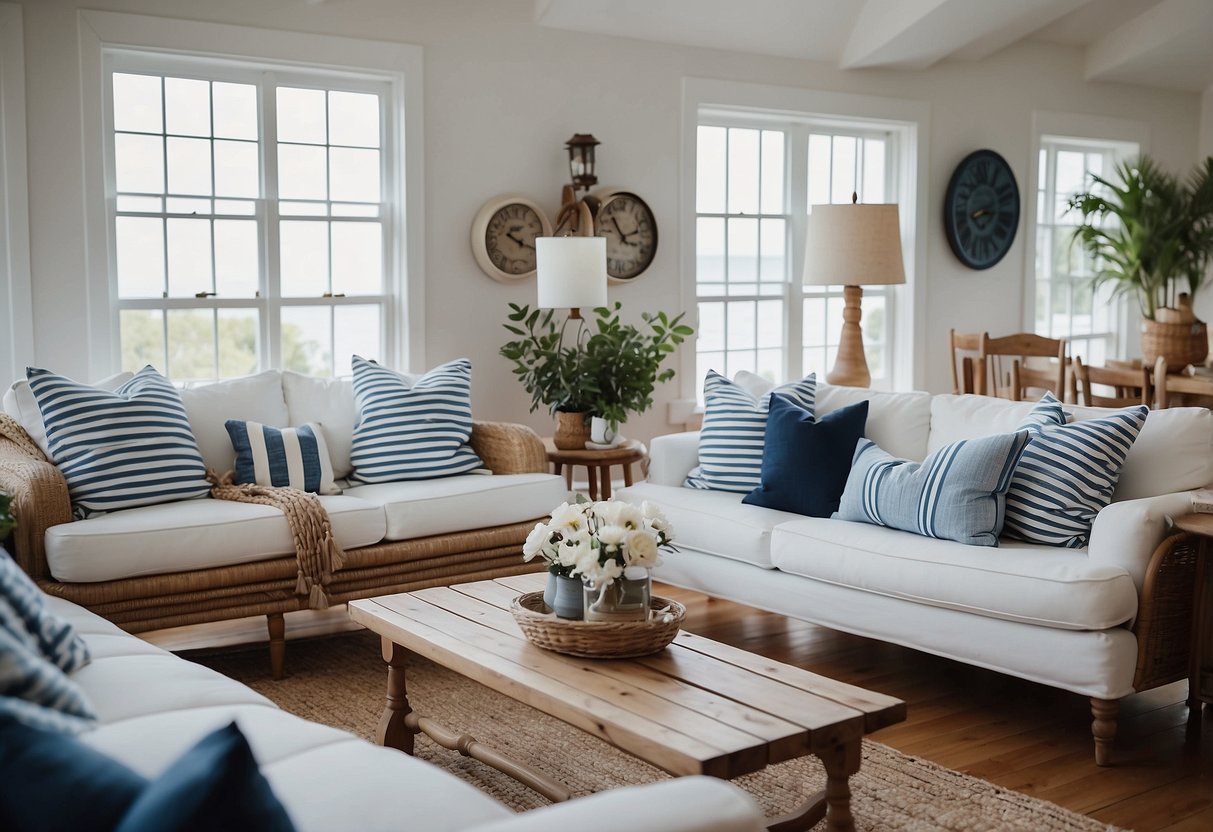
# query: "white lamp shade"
571, 272
855, 245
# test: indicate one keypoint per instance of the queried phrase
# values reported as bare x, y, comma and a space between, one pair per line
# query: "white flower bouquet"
597, 541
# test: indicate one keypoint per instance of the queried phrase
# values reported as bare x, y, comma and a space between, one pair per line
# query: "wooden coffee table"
697, 707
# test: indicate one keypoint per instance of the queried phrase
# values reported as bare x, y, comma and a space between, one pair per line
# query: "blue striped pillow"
734, 429
1068, 472
132, 447
413, 430
281, 457
957, 493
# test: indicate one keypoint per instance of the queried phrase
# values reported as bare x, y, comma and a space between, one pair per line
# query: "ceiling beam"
1166, 45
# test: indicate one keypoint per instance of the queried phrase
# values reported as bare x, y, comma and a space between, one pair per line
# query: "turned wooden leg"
393, 731
276, 624
1103, 728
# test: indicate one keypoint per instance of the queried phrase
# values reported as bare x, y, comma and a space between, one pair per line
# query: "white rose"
573, 547
619, 513
567, 516
537, 542
612, 535
642, 549
587, 564
655, 519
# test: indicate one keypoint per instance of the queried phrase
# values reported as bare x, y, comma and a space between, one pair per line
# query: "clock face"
503, 237
631, 234
981, 209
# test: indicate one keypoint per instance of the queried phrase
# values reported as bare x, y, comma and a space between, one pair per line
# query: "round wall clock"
981, 209
630, 229
503, 236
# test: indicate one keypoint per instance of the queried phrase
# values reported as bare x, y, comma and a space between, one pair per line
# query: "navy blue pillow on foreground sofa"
805, 463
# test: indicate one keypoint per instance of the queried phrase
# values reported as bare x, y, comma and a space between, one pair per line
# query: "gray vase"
567, 602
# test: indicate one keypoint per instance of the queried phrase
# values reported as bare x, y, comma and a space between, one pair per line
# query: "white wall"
501, 97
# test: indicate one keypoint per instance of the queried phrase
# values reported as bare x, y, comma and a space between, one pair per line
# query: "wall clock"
630, 229
981, 209
503, 236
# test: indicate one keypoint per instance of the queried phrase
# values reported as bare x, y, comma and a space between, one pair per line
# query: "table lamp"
571, 273
855, 245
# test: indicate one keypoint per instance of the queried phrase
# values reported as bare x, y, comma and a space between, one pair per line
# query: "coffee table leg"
834, 801
394, 732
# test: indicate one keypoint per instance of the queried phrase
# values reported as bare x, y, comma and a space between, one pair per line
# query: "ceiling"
1157, 43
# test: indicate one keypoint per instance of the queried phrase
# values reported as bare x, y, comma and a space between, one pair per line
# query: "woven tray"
597, 639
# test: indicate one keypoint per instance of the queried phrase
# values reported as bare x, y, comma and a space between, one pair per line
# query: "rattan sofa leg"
276, 624
1103, 728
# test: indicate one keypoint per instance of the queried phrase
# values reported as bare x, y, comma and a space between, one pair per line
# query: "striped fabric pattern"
132, 447
734, 430
413, 430
1068, 472
957, 493
282, 457
54, 637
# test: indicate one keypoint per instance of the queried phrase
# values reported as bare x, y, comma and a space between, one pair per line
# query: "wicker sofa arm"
508, 448
40, 500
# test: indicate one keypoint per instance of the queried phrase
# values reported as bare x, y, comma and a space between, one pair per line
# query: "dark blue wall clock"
981, 209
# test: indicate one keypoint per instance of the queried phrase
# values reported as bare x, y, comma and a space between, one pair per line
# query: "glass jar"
624, 599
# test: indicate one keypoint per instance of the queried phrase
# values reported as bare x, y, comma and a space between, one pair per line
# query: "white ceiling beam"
1166, 45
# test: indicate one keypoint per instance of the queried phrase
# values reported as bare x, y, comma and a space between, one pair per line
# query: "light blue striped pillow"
413, 430
1068, 472
957, 493
734, 429
132, 447
282, 457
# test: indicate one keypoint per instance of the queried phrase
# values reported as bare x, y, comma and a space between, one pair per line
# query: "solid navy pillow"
805, 463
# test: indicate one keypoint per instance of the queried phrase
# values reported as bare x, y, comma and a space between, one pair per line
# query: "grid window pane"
302, 172
353, 119
742, 325
239, 342
743, 171
356, 331
139, 163
354, 174
187, 106
357, 258
710, 170
236, 169
307, 340
301, 115
772, 172
140, 255
137, 103
235, 110
189, 257
842, 169
773, 244
189, 166
743, 251
709, 250
236, 258
710, 332
304, 256
819, 169
191, 344
142, 338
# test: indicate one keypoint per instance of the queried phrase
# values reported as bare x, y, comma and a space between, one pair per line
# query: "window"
1065, 304
250, 217
756, 184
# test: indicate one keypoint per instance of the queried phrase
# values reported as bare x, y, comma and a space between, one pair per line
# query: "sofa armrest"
686, 804
1127, 532
508, 448
672, 456
40, 500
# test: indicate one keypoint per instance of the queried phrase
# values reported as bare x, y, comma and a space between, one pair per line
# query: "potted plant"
607, 369
1151, 236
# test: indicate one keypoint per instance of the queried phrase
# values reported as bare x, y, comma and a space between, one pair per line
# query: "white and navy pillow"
734, 430
281, 457
54, 636
1068, 472
413, 429
957, 493
132, 447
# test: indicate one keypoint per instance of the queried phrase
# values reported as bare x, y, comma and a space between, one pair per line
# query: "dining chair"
964, 348
1129, 386
1010, 376
1179, 389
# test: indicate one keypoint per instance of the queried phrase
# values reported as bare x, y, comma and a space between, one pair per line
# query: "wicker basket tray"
597, 639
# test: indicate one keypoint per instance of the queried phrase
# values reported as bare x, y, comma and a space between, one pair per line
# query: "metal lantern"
581, 159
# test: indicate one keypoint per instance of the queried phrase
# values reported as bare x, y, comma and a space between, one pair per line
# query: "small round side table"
1200, 673
597, 464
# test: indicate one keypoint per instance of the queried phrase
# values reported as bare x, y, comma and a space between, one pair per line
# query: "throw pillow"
957, 493
19, 402
734, 425
1068, 472
54, 637
412, 429
805, 463
281, 457
132, 447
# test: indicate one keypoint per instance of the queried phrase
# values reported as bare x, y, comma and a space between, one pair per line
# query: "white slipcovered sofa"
1070, 618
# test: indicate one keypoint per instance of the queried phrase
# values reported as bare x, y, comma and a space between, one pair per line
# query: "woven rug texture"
340, 681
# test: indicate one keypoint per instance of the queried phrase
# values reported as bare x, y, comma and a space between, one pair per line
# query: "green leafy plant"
1150, 234
7, 521
607, 368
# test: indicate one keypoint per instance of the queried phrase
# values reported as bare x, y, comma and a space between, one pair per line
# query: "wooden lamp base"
850, 365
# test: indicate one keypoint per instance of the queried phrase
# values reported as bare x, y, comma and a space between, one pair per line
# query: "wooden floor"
1018, 734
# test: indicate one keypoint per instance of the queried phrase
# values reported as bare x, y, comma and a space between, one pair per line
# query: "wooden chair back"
1010, 376
1177, 389
1129, 386
964, 349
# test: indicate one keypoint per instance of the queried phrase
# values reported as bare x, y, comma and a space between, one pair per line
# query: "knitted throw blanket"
11, 430
316, 551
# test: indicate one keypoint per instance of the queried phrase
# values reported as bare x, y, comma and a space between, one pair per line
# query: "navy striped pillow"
734, 429
132, 447
281, 457
1067, 473
413, 430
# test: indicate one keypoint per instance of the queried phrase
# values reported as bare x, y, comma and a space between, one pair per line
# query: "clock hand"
622, 235
521, 243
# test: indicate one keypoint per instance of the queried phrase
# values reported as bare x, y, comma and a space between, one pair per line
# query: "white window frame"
16, 298
289, 55
910, 120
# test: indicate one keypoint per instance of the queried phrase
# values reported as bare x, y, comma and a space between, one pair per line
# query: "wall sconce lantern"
581, 160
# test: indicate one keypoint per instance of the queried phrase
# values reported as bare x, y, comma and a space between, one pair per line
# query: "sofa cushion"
957, 493
256, 398
897, 422
25, 612
19, 402
330, 403
422, 508
195, 534
1025, 582
132, 447
282, 457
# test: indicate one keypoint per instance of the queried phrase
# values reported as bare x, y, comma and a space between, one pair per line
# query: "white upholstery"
256, 398
672, 456
1125, 533
421, 508
19, 402
1016, 581
897, 422
193, 534
329, 401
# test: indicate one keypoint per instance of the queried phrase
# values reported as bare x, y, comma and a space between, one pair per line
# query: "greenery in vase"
1149, 233
7, 521
608, 368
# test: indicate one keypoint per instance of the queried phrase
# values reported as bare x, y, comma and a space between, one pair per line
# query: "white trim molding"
17, 317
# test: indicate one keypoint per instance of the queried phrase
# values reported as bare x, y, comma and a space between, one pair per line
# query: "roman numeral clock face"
630, 229
503, 237
981, 209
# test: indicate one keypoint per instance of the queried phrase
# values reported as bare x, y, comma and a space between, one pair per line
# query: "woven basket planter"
1180, 344
598, 639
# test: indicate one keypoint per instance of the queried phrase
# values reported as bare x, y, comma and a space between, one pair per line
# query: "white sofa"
1063, 617
328, 779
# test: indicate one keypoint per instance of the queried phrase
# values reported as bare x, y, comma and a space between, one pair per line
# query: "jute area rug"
340, 681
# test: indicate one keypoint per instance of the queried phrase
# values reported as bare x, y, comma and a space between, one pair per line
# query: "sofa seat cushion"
193, 534
420, 508
715, 522
1029, 583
